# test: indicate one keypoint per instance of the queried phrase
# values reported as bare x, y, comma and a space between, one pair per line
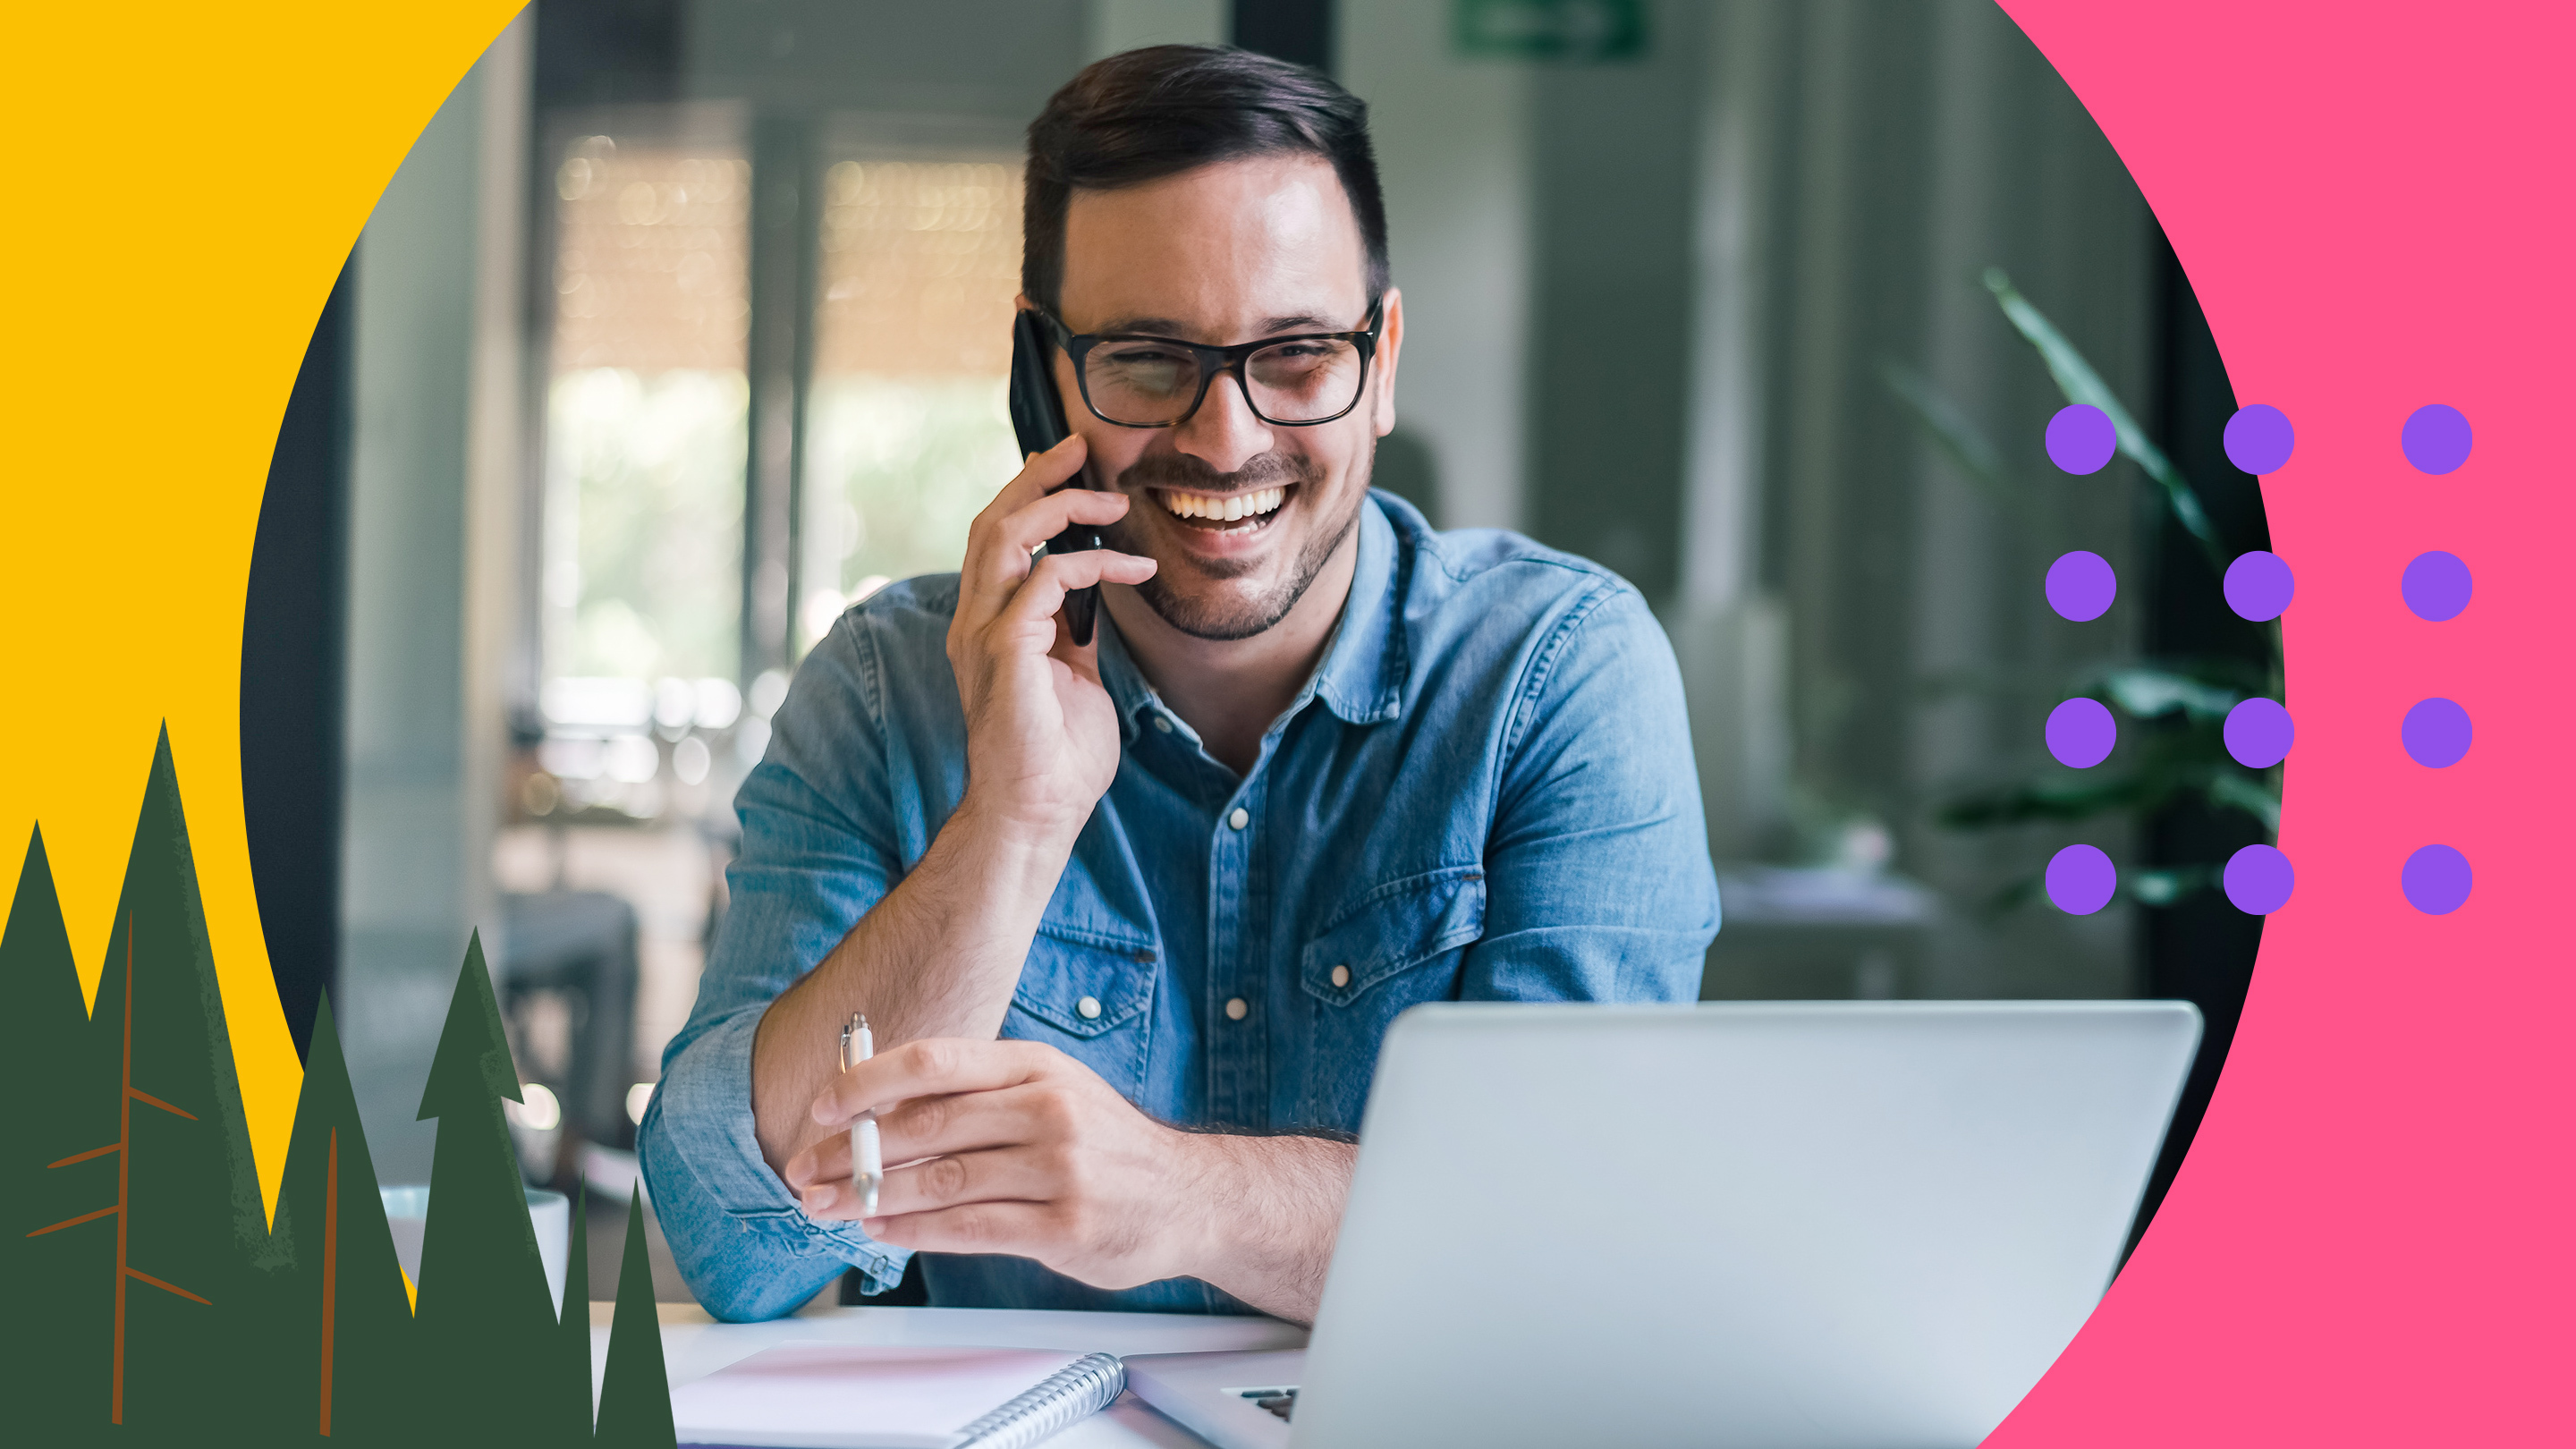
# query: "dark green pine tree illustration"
53, 1266
490, 1367
340, 1326
184, 1219
635, 1394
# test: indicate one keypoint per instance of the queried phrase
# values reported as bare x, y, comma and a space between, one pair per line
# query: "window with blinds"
907, 431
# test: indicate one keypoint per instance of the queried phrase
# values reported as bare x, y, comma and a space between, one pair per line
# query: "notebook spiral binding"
1079, 1389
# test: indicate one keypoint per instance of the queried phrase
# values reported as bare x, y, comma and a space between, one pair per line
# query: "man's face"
1219, 255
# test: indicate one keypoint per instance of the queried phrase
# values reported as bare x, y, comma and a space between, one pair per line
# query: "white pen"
867, 1169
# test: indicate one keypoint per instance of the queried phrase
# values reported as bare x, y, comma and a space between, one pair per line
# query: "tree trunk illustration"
341, 1325
147, 1299
185, 1219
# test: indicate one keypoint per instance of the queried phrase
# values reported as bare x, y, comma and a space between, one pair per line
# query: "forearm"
939, 956
1273, 1208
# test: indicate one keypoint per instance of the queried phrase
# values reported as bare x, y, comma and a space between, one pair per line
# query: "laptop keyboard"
1278, 1401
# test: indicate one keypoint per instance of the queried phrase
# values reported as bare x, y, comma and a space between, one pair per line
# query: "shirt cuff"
704, 1103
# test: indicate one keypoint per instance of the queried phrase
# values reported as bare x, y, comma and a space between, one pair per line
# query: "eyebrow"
1172, 327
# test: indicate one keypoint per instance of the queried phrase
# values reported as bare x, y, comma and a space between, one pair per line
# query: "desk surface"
694, 1345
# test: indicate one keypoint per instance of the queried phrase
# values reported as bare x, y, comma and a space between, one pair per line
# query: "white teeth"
1222, 510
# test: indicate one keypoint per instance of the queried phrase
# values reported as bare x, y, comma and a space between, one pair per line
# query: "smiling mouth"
1224, 513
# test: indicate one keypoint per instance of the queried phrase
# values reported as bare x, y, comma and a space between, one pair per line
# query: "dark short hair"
1151, 113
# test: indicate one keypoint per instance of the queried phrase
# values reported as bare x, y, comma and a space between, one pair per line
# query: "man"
1129, 920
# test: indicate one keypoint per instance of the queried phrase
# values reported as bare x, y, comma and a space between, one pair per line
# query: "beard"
1218, 613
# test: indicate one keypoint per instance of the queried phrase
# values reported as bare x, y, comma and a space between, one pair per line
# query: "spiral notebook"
870, 1396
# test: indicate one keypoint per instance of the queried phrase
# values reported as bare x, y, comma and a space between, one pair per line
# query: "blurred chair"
582, 946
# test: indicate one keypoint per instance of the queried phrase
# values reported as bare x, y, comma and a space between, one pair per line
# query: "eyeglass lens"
1149, 383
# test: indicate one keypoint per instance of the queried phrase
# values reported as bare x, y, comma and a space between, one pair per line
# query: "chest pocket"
1089, 994
1398, 945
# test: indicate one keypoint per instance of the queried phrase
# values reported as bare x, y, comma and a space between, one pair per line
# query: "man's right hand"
941, 953
1041, 733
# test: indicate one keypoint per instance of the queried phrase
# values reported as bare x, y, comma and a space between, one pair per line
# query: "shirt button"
1341, 976
1088, 1008
1240, 818
1237, 1009
1162, 724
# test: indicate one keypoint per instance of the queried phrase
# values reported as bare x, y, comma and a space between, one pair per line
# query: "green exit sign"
1576, 30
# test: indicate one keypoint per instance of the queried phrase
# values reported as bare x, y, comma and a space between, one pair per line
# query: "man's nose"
1223, 433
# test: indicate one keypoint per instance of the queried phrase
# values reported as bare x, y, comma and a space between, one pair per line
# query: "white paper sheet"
856, 1396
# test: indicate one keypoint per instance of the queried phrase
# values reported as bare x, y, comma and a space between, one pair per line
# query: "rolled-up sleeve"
1598, 880
821, 845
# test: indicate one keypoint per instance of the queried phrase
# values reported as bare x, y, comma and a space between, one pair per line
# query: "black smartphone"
1037, 414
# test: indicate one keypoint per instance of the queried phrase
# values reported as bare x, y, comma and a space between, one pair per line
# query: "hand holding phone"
1037, 415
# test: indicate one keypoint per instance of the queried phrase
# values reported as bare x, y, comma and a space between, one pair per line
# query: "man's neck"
1230, 690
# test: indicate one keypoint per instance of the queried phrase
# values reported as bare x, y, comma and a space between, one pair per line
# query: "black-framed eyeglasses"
1135, 380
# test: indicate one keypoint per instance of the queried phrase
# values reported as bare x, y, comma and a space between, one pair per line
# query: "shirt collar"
1120, 676
1362, 680
1362, 677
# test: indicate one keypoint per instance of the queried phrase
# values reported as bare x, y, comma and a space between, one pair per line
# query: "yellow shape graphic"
206, 171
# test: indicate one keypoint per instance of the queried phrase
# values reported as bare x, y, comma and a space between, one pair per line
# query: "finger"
1039, 475
1020, 1229
996, 562
1057, 575
825, 1159
1044, 475
821, 1161
1006, 1175
932, 1066
974, 1122
1027, 527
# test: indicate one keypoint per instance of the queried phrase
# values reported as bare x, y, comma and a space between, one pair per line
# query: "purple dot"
2081, 880
2436, 438
2258, 586
2258, 733
2436, 732
2081, 733
2081, 438
2436, 586
2436, 880
2081, 586
2258, 880
2258, 439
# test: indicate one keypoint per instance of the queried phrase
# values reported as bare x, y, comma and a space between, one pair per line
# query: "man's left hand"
1013, 1147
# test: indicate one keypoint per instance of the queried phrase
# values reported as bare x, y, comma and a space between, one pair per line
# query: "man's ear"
1390, 341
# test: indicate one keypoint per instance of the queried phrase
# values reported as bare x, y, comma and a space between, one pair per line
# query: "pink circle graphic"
2350, 1254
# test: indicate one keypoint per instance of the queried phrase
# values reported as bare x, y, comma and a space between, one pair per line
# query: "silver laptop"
1793, 1226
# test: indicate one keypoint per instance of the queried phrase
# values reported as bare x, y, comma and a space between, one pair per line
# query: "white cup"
550, 1213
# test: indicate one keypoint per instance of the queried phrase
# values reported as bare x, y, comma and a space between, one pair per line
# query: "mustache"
1193, 475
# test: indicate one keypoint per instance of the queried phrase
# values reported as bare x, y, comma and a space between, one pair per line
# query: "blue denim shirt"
1484, 793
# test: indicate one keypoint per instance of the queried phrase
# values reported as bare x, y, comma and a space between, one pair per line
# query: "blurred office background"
682, 328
